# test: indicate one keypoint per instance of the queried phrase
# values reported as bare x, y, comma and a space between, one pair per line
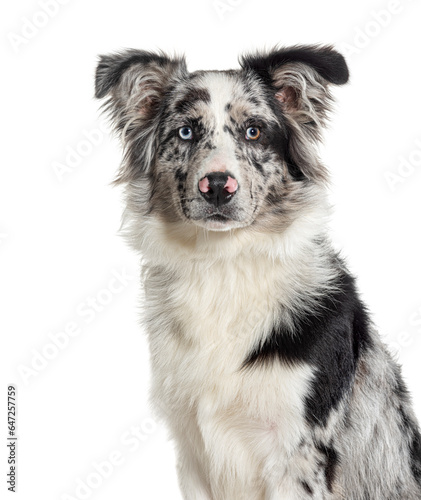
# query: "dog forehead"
223, 88
219, 93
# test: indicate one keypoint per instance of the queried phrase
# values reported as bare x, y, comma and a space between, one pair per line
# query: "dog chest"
202, 324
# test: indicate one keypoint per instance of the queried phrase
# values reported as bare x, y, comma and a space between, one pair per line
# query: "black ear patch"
298, 78
111, 67
324, 59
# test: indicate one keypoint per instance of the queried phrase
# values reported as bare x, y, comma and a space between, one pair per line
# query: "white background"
58, 242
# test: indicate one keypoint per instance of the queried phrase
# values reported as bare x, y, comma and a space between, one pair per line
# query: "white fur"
209, 297
213, 297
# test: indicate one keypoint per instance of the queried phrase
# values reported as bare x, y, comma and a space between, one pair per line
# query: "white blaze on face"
221, 88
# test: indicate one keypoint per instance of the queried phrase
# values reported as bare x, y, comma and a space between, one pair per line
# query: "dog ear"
299, 78
135, 83
136, 79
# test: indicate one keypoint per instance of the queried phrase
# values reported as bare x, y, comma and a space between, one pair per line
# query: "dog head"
221, 149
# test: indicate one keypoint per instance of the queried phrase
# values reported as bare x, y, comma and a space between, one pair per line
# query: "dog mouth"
216, 222
215, 218
218, 218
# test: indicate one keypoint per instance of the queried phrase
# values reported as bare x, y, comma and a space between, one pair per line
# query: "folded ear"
135, 83
136, 79
299, 78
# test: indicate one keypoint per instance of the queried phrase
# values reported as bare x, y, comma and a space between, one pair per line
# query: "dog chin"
218, 224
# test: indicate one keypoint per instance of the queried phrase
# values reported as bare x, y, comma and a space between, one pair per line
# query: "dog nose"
218, 188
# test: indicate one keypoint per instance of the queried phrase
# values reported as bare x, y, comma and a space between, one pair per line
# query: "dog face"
222, 149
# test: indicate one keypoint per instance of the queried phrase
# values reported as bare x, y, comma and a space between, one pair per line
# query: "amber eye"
252, 133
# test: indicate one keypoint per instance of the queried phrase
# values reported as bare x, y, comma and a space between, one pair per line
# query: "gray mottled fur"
212, 295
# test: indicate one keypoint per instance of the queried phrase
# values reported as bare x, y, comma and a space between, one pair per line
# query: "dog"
266, 368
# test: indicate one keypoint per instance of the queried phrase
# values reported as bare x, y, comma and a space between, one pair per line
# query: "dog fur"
271, 378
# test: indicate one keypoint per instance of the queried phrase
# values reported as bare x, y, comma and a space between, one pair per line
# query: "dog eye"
186, 133
252, 133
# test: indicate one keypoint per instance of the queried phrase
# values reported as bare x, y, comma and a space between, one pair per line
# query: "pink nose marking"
204, 185
231, 185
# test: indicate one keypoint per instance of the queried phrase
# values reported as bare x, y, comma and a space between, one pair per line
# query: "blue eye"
252, 133
186, 133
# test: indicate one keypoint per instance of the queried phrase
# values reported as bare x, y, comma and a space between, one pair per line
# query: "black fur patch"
180, 176
330, 464
330, 339
306, 488
189, 100
325, 60
415, 454
276, 136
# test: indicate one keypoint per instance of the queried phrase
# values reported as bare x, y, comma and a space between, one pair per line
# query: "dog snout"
218, 188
